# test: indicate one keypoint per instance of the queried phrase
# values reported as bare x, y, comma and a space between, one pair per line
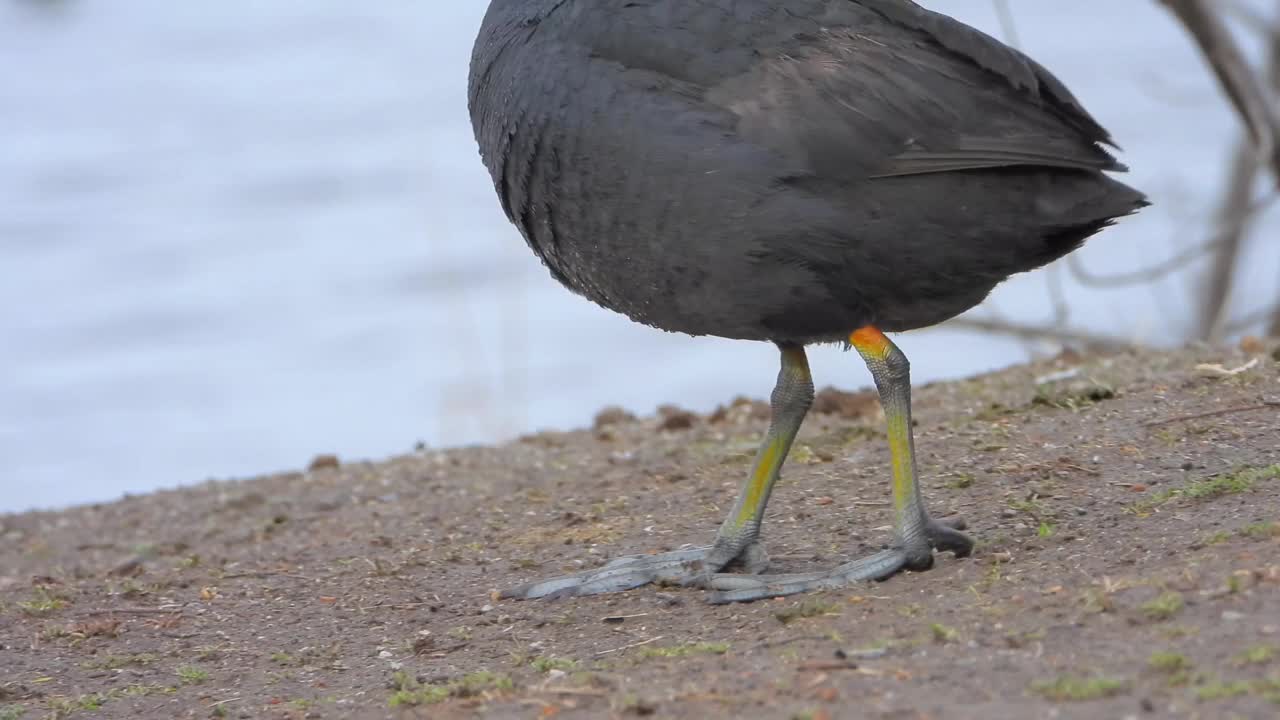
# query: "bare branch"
1234, 217
1249, 16
1135, 277
1252, 319
1037, 332
1238, 81
1008, 28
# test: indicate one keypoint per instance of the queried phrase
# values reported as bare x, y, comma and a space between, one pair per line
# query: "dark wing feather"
1020, 71
897, 90
978, 153
846, 89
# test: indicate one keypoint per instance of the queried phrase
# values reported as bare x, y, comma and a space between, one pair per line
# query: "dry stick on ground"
1238, 81
1235, 217
1263, 405
131, 611
788, 641
632, 645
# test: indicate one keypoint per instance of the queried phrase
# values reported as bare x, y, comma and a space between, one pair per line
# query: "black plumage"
781, 171
794, 171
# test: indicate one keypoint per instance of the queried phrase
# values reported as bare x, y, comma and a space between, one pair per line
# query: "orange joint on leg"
870, 341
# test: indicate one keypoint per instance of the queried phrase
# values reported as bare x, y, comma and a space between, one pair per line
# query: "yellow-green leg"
915, 534
738, 537
789, 403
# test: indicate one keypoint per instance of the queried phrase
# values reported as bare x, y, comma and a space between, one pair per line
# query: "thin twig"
393, 606
262, 574
1253, 318
1263, 405
620, 618
827, 665
1036, 332
787, 641
132, 611
1164, 267
1057, 295
1008, 28
632, 645
590, 692
1136, 277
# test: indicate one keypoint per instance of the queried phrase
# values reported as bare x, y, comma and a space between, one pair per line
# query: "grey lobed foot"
690, 566
940, 535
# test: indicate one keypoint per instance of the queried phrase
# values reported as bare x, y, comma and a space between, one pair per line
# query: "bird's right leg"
738, 540
915, 533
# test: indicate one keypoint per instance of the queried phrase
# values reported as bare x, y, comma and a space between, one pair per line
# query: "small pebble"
612, 415
1252, 345
667, 599
326, 461
674, 418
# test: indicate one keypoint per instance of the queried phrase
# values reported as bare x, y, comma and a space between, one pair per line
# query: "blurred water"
236, 234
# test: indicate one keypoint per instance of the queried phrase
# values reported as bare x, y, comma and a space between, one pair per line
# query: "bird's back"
781, 170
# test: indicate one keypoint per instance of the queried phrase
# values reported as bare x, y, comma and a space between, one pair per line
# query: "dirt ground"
1127, 509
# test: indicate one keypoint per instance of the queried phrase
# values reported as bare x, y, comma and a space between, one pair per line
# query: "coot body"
781, 170
793, 171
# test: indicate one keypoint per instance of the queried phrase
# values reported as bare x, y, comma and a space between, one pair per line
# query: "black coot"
792, 171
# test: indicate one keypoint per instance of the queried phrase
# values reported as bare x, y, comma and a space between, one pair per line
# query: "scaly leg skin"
738, 540
915, 534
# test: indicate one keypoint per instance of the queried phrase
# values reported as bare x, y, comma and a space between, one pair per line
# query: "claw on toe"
737, 588
944, 535
698, 566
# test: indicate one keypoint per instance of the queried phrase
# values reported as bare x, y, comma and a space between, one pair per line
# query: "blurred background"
234, 235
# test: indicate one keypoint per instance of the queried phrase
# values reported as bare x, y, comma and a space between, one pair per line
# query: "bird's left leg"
915, 534
737, 543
